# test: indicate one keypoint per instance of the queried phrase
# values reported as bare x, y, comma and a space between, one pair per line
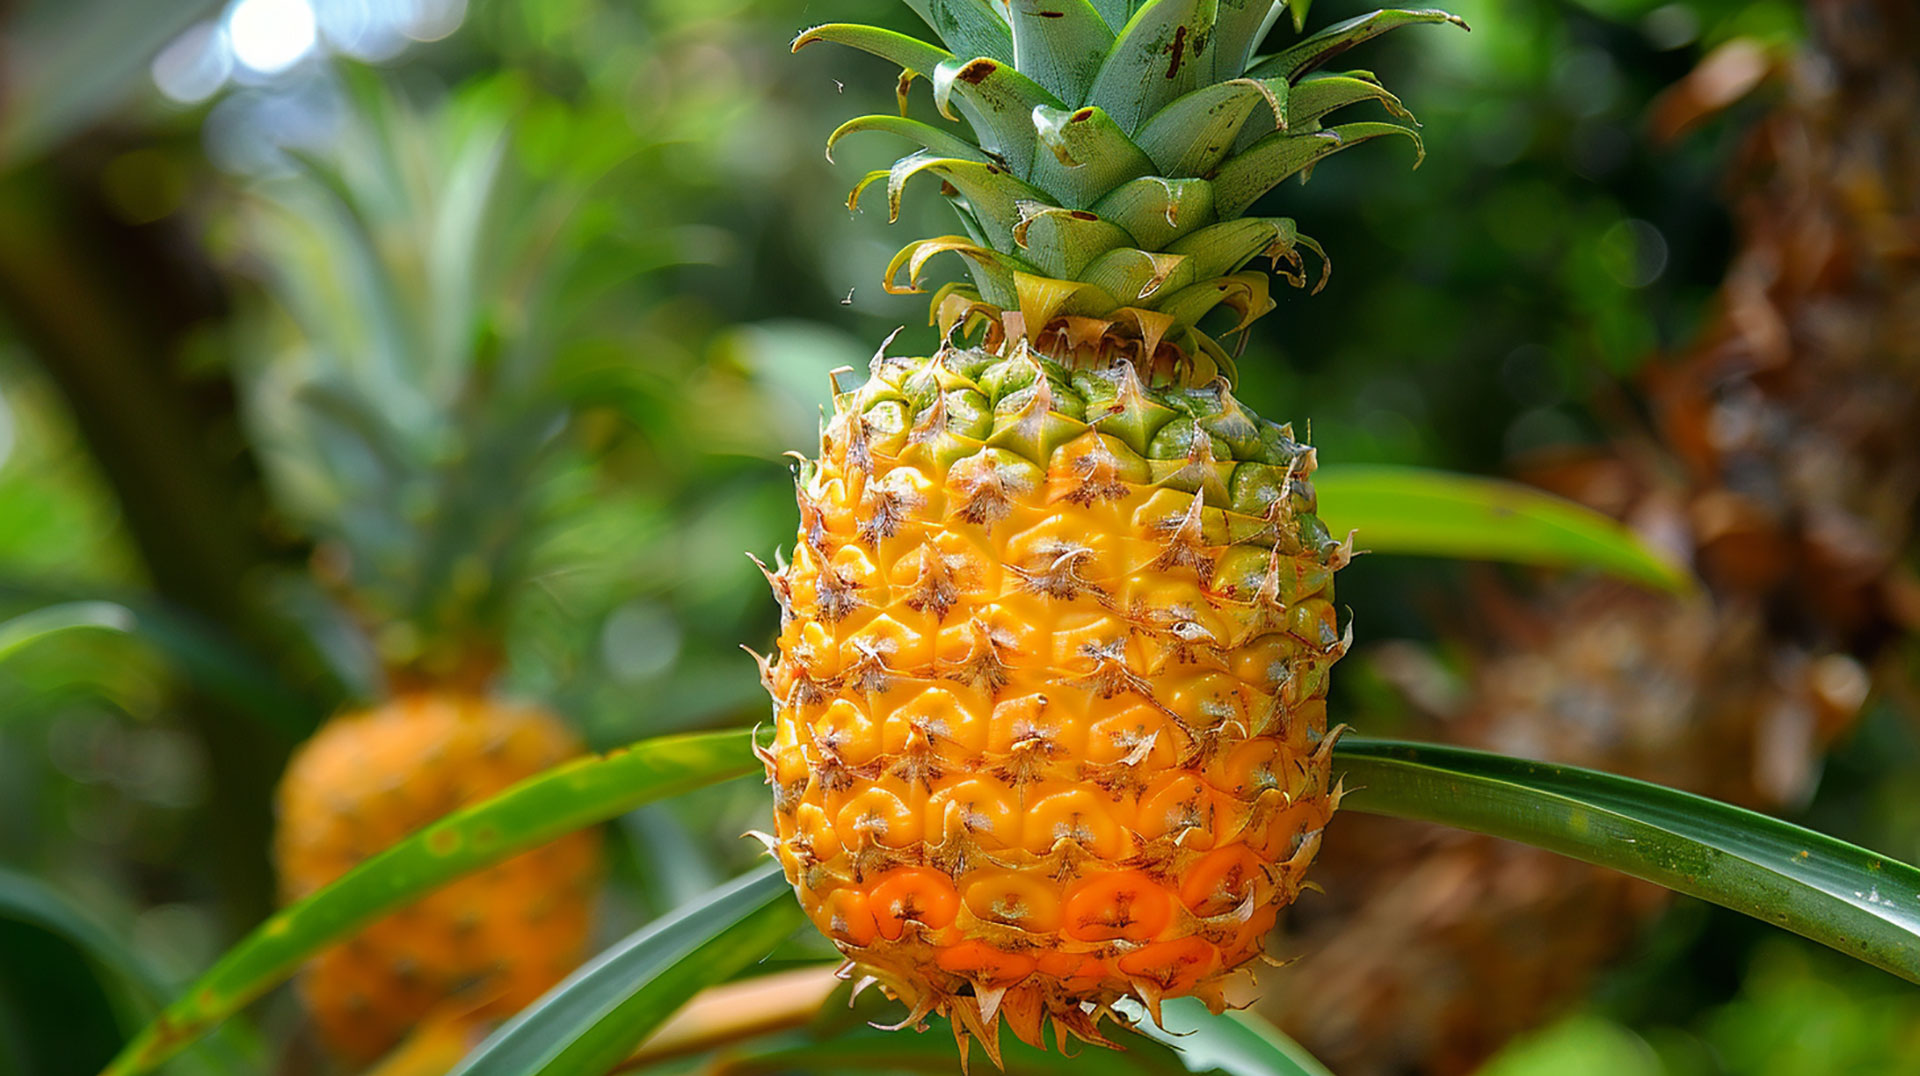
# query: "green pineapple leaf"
1065, 240
1314, 51
1061, 42
998, 102
1156, 211
1433, 513
975, 24
590, 1022
532, 813
33, 913
1235, 1043
1314, 97
28, 628
940, 142
213, 661
1194, 133
1859, 902
1087, 154
1163, 52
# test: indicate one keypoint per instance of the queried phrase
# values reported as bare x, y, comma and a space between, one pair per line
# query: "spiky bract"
1050, 699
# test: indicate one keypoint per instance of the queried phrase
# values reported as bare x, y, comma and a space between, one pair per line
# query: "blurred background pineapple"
402, 400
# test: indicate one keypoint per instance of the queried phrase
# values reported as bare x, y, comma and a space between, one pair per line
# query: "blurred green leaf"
531, 813
122, 980
29, 628
675, 866
593, 1020
1239, 1044
209, 658
130, 985
1420, 511
67, 64
1859, 902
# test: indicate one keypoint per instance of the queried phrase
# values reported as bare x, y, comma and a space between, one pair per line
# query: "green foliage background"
1496, 302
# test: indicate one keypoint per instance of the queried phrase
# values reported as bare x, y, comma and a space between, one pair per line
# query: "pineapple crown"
401, 389
1116, 147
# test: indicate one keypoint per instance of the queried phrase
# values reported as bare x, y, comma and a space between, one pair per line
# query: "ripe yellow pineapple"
1050, 693
410, 446
484, 946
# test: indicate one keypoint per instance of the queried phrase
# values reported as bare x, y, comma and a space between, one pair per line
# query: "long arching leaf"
593, 1020
129, 983
213, 661
531, 813
1412, 510
1305, 55
1235, 1043
29, 628
1861, 903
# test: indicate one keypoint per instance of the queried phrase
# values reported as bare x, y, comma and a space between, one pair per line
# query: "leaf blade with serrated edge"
940, 142
1311, 52
1242, 180
1840, 895
592, 1020
532, 813
1435, 513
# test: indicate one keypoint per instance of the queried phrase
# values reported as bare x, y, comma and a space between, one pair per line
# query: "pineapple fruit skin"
485, 946
1050, 719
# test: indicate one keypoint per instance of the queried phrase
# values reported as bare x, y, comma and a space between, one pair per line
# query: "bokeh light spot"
270, 36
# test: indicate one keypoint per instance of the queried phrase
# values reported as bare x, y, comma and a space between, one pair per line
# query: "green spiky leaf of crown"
1115, 148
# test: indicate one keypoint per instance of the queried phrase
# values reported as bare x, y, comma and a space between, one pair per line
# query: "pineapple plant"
1779, 459
1050, 720
404, 412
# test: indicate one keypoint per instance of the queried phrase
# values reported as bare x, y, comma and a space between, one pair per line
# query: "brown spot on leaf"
977, 71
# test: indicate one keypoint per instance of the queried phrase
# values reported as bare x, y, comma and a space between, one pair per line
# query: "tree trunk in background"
108, 308
1785, 461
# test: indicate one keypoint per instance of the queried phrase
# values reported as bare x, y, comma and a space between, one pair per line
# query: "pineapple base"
483, 947
1050, 719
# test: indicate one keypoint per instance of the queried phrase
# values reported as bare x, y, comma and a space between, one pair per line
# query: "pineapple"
1050, 720
401, 408
486, 945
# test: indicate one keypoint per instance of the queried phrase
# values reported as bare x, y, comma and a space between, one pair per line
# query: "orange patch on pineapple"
846, 914
984, 964
880, 816
1221, 881
1016, 899
1119, 905
912, 894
